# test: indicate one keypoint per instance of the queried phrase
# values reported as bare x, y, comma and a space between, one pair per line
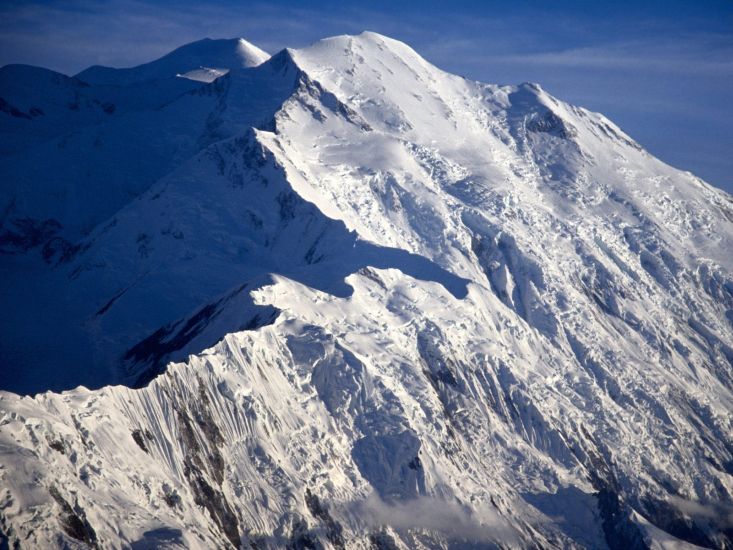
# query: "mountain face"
339, 298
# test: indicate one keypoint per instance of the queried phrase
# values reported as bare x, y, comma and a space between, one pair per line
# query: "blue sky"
663, 70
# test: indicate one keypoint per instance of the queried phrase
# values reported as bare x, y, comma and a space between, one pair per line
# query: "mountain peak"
251, 54
204, 59
393, 290
365, 42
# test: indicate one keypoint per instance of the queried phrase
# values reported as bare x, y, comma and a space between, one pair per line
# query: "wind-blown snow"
346, 286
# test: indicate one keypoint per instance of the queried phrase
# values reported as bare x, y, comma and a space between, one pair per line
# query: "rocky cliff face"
368, 304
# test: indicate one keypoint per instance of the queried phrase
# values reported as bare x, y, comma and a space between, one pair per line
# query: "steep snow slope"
64, 135
64, 325
436, 313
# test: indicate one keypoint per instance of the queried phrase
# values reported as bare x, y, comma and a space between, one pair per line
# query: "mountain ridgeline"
339, 298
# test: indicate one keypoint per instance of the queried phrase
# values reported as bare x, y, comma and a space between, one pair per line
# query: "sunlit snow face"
361, 300
671, 60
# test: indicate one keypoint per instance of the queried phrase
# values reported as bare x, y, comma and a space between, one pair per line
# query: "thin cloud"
720, 515
638, 55
437, 515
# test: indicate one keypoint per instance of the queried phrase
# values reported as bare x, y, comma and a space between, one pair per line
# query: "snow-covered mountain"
204, 60
353, 301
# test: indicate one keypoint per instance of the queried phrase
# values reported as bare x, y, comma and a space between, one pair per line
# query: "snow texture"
339, 298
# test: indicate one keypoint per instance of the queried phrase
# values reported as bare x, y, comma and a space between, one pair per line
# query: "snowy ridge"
222, 54
404, 310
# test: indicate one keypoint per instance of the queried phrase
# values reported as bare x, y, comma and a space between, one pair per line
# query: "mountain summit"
195, 59
344, 299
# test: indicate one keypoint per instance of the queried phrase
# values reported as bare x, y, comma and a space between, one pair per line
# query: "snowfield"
339, 298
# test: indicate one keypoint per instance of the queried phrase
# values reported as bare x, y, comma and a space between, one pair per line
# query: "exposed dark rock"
439, 365
415, 464
550, 123
22, 234
213, 500
73, 520
144, 245
203, 460
137, 435
334, 530
288, 203
147, 359
106, 307
57, 445
7, 535
171, 496
7, 108
620, 531
167, 339
59, 250
302, 539
83, 432
211, 431
312, 90
382, 540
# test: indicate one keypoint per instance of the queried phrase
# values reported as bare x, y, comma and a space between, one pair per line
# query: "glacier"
339, 298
